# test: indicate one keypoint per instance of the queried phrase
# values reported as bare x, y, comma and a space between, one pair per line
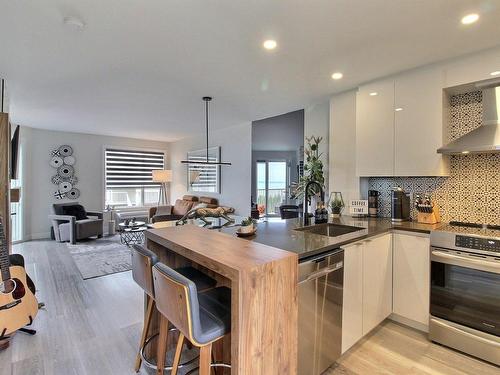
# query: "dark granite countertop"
283, 234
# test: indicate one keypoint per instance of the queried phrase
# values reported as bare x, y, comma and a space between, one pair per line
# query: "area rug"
101, 257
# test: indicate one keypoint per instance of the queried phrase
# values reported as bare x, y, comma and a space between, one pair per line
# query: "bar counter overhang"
263, 282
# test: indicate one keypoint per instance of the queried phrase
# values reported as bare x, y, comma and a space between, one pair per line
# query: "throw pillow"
163, 211
76, 210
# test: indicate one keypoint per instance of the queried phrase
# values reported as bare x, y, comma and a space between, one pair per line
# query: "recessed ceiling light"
399, 109
337, 75
470, 18
495, 73
465, 152
373, 94
270, 44
74, 22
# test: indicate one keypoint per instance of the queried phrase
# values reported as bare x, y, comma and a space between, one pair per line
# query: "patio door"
272, 185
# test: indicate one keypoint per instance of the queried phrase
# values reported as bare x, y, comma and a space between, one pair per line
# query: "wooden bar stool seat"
143, 261
202, 318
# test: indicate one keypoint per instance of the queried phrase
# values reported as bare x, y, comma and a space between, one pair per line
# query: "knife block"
429, 217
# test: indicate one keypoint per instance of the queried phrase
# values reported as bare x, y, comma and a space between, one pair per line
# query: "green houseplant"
313, 169
247, 225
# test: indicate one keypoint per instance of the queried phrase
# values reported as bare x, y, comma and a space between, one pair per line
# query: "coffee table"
132, 233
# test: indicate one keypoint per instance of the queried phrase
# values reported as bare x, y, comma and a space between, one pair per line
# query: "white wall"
38, 189
342, 165
317, 123
236, 147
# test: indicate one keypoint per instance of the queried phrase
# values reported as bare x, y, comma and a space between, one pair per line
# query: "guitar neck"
4, 254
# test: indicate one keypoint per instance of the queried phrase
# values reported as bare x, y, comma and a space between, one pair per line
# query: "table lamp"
162, 176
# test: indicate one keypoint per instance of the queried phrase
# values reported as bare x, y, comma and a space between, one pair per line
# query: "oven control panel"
476, 243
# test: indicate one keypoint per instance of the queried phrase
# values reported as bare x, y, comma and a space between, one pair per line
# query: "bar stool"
143, 261
203, 318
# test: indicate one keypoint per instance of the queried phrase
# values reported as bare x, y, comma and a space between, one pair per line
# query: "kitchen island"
263, 282
263, 273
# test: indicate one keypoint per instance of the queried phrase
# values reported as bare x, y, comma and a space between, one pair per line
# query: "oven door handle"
464, 261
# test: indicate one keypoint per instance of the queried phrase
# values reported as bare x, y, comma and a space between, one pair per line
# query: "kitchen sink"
330, 230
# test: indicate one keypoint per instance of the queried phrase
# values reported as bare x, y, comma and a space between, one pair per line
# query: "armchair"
72, 223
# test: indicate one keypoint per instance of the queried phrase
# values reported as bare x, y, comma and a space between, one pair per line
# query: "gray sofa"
69, 228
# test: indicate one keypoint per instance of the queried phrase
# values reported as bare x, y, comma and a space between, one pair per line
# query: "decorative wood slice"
66, 171
66, 150
56, 161
69, 160
65, 187
73, 193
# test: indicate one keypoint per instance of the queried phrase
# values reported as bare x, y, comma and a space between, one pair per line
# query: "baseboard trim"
39, 236
409, 322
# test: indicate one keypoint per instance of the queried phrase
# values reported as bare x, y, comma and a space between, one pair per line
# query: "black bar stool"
143, 261
203, 318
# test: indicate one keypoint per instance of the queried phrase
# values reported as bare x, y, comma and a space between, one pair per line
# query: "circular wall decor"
59, 194
56, 179
66, 150
69, 160
65, 187
73, 193
63, 160
56, 161
65, 171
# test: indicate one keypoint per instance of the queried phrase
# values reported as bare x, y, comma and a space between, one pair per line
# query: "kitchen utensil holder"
429, 217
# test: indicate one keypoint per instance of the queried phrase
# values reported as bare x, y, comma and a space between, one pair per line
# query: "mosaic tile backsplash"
472, 191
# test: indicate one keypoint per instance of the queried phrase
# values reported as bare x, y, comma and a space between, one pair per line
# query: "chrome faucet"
307, 199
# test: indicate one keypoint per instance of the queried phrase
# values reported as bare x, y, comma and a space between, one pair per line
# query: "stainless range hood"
486, 138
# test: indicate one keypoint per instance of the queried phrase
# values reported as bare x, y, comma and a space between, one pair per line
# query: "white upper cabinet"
375, 129
473, 68
418, 124
399, 126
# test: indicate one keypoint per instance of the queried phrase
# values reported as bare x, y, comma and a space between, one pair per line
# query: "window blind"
129, 169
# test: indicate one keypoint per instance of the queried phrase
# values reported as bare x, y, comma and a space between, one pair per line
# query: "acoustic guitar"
18, 304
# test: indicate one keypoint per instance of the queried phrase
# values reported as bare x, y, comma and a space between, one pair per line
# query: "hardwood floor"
93, 327
396, 349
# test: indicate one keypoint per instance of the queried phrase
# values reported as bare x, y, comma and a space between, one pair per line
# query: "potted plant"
313, 169
248, 225
336, 203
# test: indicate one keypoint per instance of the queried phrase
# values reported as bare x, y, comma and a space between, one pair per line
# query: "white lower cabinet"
411, 277
352, 308
377, 281
367, 297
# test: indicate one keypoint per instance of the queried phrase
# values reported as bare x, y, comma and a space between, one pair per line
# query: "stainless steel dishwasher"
321, 281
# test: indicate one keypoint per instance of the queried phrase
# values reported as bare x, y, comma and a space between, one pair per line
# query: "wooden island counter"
263, 282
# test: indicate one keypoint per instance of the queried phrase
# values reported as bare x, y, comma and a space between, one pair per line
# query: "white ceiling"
140, 68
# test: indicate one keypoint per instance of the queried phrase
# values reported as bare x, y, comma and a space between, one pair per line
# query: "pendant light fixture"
207, 100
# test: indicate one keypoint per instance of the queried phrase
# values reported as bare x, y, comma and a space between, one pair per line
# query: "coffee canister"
373, 203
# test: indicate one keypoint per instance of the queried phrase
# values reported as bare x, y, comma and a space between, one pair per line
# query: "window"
129, 179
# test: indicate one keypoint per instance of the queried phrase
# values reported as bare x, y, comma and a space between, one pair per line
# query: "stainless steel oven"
465, 292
